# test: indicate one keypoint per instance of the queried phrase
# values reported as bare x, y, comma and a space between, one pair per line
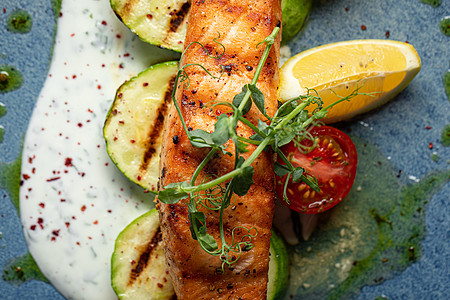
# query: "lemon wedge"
380, 68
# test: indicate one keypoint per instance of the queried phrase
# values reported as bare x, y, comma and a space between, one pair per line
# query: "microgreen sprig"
216, 193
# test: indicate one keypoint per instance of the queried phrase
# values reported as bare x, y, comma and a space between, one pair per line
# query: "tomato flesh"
333, 162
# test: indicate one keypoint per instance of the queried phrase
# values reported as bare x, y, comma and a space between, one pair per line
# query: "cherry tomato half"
333, 162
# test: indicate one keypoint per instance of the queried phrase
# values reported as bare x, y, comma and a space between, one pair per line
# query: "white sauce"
74, 201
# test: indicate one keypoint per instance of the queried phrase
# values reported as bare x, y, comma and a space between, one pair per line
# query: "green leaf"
297, 174
221, 134
280, 170
285, 136
201, 138
258, 98
173, 193
242, 182
239, 98
320, 114
199, 231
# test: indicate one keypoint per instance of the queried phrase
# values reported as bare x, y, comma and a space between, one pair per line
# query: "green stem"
202, 165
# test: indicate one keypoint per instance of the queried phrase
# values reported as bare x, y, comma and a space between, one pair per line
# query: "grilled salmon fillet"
241, 24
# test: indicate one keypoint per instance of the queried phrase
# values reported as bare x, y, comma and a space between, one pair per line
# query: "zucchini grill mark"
144, 257
178, 16
157, 127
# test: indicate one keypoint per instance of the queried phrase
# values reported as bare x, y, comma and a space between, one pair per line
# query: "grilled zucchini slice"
159, 22
134, 123
138, 264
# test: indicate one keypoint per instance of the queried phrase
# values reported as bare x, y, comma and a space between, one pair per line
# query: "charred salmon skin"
239, 26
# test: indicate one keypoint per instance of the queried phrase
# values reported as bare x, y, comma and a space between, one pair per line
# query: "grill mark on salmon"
144, 257
157, 127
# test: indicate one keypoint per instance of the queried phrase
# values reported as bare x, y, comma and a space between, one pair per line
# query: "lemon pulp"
376, 67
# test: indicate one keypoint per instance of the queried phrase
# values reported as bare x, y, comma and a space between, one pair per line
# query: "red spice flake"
67, 224
4, 10
120, 95
363, 27
30, 160
62, 200
80, 125
126, 54
89, 237
145, 84
428, 127
81, 174
68, 162
118, 36
99, 87
33, 227
139, 178
103, 65
25, 176
347, 9
90, 110
109, 211
430, 145
83, 208
53, 179
104, 23
78, 243
149, 16
42, 204
40, 222
121, 65
72, 35
106, 164
132, 141
160, 285
60, 14
387, 34
95, 222
33, 171
53, 239
56, 232
74, 76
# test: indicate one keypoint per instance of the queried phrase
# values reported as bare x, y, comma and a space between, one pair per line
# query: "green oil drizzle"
2, 110
10, 180
2, 133
19, 21
22, 269
10, 78
444, 26
445, 136
374, 233
434, 157
56, 7
432, 3
446, 82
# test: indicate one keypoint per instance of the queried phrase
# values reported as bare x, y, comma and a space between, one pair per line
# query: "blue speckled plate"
402, 130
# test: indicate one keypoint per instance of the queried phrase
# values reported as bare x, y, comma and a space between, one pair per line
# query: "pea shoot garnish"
218, 192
